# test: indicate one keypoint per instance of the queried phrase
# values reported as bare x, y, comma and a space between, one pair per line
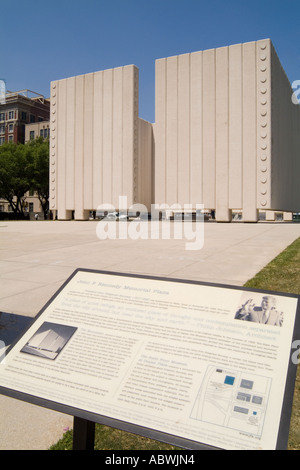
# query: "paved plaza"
37, 257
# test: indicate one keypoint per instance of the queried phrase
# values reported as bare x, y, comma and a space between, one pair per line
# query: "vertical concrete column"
53, 148
172, 131
98, 140
82, 214
235, 131
209, 129
130, 158
263, 124
146, 166
107, 134
250, 212
270, 215
196, 123
136, 157
62, 212
288, 216
223, 214
117, 137
88, 113
70, 144
59, 168
183, 130
160, 131
79, 148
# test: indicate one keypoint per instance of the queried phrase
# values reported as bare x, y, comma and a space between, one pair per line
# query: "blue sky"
44, 41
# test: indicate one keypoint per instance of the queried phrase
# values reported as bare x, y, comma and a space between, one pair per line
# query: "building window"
2, 116
10, 138
2, 129
45, 133
32, 118
32, 135
10, 127
2, 140
11, 115
24, 116
31, 207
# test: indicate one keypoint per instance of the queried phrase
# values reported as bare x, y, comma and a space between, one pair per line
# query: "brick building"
19, 111
21, 108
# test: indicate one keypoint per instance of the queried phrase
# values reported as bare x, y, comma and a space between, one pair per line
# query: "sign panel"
188, 362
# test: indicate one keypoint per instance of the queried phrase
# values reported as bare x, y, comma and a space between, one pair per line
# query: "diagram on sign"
236, 400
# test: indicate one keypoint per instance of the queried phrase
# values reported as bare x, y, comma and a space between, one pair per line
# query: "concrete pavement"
37, 257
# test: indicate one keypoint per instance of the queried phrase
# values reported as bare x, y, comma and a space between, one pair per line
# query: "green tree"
38, 151
16, 167
25, 167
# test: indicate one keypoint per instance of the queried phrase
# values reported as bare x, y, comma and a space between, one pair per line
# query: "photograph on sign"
49, 340
201, 362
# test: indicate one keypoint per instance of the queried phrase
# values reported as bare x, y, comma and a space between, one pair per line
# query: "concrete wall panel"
107, 134
209, 129
160, 131
130, 134
79, 146
235, 127
95, 142
226, 135
216, 117
70, 144
172, 131
196, 124
117, 136
88, 112
183, 130
222, 135
98, 140
61, 145
146, 164
285, 162
249, 133
264, 136
53, 148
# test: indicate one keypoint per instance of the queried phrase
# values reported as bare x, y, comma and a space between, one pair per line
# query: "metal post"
83, 434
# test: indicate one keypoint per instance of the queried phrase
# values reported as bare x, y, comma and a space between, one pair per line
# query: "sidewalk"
37, 257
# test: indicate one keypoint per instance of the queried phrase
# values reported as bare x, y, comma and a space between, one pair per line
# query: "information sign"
194, 364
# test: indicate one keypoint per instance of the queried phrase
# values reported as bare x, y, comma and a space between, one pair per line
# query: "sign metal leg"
83, 434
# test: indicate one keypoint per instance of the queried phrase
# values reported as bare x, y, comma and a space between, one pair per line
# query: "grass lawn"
282, 275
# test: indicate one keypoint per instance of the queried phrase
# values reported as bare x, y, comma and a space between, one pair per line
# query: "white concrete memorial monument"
226, 135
